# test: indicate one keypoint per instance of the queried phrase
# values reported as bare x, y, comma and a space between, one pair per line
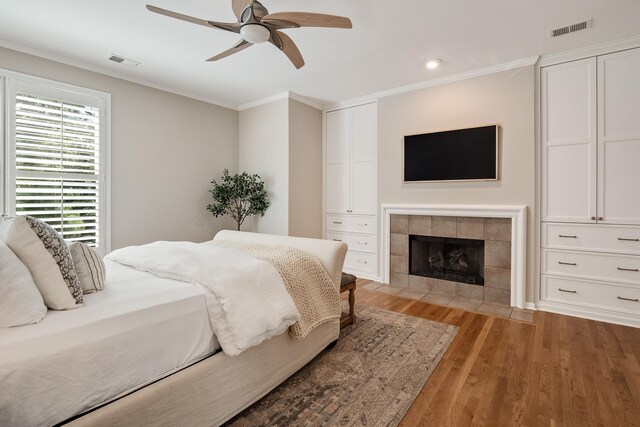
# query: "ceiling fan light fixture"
434, 63
255, 33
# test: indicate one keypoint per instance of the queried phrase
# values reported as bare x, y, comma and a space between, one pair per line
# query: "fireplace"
447, 258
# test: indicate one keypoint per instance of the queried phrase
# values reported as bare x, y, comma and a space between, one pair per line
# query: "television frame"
497, 178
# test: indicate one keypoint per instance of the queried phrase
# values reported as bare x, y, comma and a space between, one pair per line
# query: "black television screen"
455, 155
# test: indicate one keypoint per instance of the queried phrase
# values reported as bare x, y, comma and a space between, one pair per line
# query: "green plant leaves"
239, 196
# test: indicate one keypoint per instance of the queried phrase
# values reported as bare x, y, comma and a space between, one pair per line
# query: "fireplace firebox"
447, 258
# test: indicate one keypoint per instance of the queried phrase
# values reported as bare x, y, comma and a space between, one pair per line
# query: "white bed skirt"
214, 390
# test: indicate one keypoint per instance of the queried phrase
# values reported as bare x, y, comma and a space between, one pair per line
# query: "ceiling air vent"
123, 61
568, 29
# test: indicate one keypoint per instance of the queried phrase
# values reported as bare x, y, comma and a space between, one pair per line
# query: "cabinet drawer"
358, 242
591, 294
591, 265
607, 238
354, 223
361, 261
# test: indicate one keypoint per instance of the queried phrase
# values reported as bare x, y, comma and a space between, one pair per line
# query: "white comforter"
247, 299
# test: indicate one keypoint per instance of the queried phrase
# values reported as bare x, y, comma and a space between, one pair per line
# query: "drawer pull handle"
337, 222
629, 299
362, 243
337, 240
362, 262
567, 236
628, 240
568, 291
567, 263
627, 269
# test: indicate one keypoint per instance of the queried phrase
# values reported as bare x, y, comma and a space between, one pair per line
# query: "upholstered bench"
348, 283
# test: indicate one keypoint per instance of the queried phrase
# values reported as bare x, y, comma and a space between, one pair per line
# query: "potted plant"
239, 196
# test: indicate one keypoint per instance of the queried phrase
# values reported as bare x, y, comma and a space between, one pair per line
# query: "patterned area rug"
370, 378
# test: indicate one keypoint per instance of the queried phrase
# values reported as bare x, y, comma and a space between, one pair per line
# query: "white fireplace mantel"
518, 215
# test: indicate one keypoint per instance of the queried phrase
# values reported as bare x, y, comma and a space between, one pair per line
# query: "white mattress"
139, 329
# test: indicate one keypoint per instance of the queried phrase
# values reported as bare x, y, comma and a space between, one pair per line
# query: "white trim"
305, 100
263, 101
593, 50
603, 315
107, 72
525, 62
530, 306
518, 215
4, 137
278, 97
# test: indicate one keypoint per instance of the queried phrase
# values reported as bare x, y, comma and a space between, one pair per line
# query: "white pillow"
21, 302
23, 241
89, 267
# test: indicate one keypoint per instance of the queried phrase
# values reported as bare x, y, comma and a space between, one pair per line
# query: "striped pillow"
89, 267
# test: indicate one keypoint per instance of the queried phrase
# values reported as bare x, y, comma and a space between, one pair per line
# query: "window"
56, 157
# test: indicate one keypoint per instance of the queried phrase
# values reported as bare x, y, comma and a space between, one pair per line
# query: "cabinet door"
338, 137
619, 137
568, 139
363, 153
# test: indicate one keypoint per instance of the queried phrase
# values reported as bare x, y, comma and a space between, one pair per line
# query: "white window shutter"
57, 165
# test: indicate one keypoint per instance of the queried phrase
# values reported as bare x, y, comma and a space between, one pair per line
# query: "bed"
143, 352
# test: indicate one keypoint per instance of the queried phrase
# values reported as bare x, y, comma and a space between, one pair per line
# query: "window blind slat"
56, 144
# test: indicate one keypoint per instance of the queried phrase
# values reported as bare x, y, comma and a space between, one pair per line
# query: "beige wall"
264, 149
165, 150
305, 170
282, 142
505, 98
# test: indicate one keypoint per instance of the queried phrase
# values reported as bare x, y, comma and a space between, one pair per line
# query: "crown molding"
278, 97
305, 100
593, 50
525, 62
262, 101
107, 72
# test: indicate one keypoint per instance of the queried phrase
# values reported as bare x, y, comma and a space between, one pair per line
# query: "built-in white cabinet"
590, 139
618, 192
350, 185
590, 174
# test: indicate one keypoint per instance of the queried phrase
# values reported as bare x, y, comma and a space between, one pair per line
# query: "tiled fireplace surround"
496, 233
503, 227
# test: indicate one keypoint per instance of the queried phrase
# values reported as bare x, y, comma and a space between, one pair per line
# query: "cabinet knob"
600, 218
593, 218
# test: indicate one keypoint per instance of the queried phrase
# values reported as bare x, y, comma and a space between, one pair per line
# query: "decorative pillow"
89, 266
21, 302
57, 247
25, 244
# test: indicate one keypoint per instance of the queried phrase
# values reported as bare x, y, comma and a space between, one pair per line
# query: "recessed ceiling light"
434, 63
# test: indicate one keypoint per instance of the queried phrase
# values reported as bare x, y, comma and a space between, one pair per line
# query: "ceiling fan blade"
234, 27
179, 16
241, 45
305, 19
238, 6
286, 45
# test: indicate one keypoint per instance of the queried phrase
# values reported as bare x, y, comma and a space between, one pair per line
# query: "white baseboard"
625, 319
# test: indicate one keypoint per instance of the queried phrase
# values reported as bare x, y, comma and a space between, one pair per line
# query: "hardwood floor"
558, 371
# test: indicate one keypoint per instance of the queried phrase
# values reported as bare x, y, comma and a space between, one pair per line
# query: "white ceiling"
387, 47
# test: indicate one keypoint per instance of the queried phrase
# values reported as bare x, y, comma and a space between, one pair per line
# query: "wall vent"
123, 61
568, 29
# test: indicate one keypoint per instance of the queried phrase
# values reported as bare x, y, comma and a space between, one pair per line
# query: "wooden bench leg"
352, 302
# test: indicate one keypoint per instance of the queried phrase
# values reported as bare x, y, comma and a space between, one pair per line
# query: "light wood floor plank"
558, 371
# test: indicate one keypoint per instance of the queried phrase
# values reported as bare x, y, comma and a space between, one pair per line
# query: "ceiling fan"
256, 25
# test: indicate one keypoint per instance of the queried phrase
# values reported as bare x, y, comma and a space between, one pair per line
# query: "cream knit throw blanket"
315, 295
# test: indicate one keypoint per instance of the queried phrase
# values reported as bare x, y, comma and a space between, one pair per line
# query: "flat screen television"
454, 155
